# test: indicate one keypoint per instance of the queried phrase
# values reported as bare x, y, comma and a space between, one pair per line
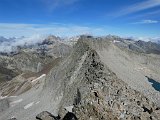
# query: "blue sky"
140, 18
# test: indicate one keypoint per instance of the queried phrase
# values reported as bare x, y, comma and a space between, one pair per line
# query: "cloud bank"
63, 30
51, 5
35, 33
147, 4
147, 22
11, 44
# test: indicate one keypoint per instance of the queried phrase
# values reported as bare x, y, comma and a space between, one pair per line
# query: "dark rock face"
45, 116
7, 74
70, 116
149, 47
77, 98
136, 48
48, 116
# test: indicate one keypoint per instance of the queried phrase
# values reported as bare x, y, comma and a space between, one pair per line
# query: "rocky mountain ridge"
90, 82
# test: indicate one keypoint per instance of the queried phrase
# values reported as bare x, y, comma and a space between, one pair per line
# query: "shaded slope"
7, 74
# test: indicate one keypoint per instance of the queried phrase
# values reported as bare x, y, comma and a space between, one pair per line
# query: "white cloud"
17, 30
147, 22
146, 15
139, 7
146, 39
53, 4
8, 46
35, 33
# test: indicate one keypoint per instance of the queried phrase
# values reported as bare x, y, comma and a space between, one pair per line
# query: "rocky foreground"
98, 80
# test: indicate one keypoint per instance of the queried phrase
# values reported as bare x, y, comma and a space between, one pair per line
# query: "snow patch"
28, 105
15, 102
122, 116
116, 41
12, 96
37, 102
69, 108
39, 78
3, 97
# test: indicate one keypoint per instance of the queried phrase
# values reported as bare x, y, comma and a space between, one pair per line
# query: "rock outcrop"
48, 116
45, 116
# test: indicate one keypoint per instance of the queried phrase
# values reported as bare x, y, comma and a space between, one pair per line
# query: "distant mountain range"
3, 39
13, 45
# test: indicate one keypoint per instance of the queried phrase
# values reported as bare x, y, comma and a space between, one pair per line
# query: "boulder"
70, 116
45, 116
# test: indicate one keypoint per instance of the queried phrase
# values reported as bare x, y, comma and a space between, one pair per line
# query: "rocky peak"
51, 40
